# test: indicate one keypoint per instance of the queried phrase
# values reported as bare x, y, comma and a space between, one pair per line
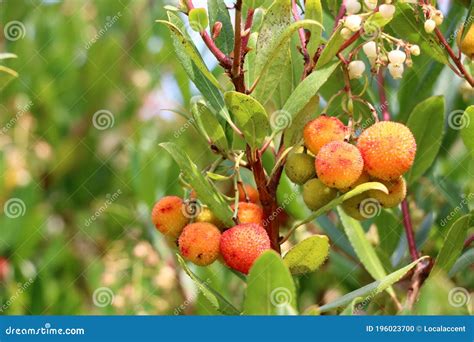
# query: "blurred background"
98, 87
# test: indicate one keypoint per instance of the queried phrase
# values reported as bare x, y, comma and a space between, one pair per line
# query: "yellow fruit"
397, 191
168, 216
339, 164
299, 167
388, 149
206, 215
467, 44
323, 130
316, 194
199, 243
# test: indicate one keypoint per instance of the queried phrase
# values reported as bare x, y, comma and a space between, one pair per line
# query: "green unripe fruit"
300, 167
397, 191
316, 194
352, 207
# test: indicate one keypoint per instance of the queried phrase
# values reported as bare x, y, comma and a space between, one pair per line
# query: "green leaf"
312, 310
389, 229
308, 255
6, 55
364, 250
8, 71
331, 49
218, 12
195, 67
250, 115
338, 200
409, 27
273, 46
209, 126
468, 21
214, 297
205, 191
369, 291
453, 245
467, 128
426, 123
198, 19
301, 102
464, 261
270, 287
314, 11
351, 308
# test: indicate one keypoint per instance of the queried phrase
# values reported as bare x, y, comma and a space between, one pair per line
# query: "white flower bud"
370, 49
396, 70
346, 33
430, 25
387, 11
353, 7
356, 69
397, 57
415, 50
438, 17
353, 22
371, 4
372, 60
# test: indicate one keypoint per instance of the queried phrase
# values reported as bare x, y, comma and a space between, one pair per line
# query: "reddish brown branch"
351, 40
248, 26
455, 58
409, 230
468, 241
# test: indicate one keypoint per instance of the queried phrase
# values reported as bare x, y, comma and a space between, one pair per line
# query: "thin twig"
409, 231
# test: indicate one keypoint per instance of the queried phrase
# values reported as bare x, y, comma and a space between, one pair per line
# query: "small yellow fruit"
299, 167
316, 194
467, 44
168, 216
397, 191
206, 215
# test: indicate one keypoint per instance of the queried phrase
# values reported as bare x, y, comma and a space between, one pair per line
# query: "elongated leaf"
294, 133
8, 71
250, 115
198, 19
410, 28
205, 191
301, 101
308, 255
468, 21
6, 55
209, 126
467, 129
314, 11
331, 49
218, 12
214, 297
390, 230
270, 287
464, 261
369, 291
428, 137
364, 250
352, 307
195, 68
453, 245
338, 200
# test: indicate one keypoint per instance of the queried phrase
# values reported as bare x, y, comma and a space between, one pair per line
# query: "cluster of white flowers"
353, 21
395, 60
434, 18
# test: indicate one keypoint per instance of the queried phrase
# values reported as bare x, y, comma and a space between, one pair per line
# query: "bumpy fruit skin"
199, 243
339, 164
252, 193
397, 191
316, 194
323, 130
352, 207
242, 245
299, 167
467, 44
249, 213
168, 217
206, 215
388, 149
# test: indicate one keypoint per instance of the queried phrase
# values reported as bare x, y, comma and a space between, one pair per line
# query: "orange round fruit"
249, 213
323, 130
199, 243
388, 149
252, 193
168, 217
241, 245
339, 164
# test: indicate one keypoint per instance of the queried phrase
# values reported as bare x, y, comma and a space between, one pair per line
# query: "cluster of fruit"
200, 237
330, 164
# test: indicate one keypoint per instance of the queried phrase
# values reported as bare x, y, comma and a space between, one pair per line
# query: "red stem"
248, 25
351, 40
455, 58
383, 97
223, 59
409, 231
468, 241
301, 32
